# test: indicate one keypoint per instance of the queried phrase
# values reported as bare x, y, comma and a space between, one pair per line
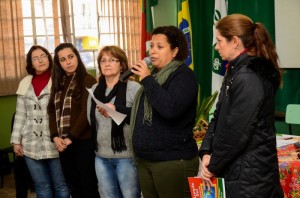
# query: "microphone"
128, 73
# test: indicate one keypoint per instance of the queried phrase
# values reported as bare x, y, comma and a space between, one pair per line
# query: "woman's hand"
103, 112
141, 69
60, 144
204, 173
18, 150
68, 141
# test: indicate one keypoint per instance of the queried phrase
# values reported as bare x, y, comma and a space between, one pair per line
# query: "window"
88, 24
42, 24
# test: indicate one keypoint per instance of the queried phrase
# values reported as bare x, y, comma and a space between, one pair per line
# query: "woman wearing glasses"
31, 135
69, 127
115, 167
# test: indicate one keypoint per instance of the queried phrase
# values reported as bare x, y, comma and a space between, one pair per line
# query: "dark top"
170, 137
79, 126
241, 137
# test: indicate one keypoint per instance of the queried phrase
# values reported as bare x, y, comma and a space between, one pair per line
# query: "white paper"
116, 116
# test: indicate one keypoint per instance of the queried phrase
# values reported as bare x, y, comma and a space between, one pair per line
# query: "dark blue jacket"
170, 137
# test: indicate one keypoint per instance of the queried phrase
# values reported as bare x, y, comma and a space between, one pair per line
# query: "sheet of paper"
116, 116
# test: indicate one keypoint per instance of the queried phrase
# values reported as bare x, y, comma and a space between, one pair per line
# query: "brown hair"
116, 52
254, 36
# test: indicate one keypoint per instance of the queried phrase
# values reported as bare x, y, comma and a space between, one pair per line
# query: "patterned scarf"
63, 117
160, 76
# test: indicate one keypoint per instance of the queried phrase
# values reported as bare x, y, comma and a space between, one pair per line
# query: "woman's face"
68, 60
40, 61
225, 48
110, 66
160, 51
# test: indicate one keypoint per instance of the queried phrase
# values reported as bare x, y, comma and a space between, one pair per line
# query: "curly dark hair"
176, 38
29, 67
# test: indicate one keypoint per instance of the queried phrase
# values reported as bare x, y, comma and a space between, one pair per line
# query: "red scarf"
39, 82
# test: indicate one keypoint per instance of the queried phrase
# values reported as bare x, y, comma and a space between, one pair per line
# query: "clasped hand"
62, 144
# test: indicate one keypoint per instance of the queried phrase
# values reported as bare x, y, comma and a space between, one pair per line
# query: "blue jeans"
47, 176
117, 178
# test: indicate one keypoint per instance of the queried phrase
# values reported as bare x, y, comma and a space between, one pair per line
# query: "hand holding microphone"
136, 68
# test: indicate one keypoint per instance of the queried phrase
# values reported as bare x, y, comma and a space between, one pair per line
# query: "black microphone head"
128, 73
147, 60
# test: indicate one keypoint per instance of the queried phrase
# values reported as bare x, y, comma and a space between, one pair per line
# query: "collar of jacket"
25, 84
234, 64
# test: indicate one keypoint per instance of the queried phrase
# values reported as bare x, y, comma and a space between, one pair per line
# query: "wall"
287, 33
163, 16
7, 109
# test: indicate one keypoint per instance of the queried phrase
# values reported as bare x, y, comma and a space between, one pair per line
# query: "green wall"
7, 109
165, 13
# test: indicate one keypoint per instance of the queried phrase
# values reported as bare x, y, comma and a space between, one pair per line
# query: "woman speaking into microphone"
163, 115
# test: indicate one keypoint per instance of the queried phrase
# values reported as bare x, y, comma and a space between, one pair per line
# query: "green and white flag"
218, 67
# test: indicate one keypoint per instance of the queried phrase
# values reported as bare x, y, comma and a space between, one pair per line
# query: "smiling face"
110, 66
40, 61
68, 60
160, 51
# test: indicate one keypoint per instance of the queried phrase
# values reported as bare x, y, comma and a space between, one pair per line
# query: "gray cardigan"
104, 125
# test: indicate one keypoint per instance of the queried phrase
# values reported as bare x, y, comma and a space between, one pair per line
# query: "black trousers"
23, 180
78, 164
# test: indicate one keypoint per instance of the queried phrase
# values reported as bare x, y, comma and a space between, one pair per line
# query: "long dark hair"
58, 73
29, 66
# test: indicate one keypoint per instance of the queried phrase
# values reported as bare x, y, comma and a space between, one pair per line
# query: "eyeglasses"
111, 60
37, 59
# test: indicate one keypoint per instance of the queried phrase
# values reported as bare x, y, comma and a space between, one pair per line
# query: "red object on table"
289, 170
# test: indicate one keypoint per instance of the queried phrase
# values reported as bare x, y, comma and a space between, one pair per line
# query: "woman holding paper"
114, 163
68, 123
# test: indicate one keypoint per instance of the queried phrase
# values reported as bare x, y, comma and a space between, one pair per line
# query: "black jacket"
241, 137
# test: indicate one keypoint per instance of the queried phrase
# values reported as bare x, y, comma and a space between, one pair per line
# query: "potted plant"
202, 115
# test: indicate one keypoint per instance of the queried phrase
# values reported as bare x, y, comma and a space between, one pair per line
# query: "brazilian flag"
184, 23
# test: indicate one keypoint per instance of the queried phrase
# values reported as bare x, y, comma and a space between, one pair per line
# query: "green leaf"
204, 107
